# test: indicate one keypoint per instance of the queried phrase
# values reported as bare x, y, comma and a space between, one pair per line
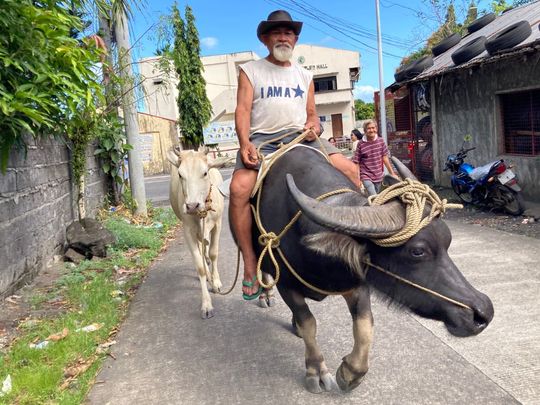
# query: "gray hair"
369, 122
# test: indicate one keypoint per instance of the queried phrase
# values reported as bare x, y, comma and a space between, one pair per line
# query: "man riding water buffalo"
330, 238
275, 96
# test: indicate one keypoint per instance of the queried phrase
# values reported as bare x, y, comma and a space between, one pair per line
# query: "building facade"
334, 73
491, 101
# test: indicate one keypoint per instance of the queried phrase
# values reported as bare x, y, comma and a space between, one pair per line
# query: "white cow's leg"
317, 375
207, 311
356, 364
213, 251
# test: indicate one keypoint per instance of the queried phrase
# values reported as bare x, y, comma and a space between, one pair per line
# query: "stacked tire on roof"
503, 40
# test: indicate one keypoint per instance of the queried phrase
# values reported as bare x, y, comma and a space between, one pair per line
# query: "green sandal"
250, 284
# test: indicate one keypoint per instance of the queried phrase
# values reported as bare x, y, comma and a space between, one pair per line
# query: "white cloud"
327, 40
209, 42
364, 93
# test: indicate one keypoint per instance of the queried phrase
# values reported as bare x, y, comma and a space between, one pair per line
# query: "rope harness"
413, 194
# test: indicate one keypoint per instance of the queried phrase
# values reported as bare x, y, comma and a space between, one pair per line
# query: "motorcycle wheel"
511, 201
463, 195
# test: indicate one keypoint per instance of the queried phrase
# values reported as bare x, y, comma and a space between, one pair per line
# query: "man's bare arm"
388, 165
242, 120
312, 121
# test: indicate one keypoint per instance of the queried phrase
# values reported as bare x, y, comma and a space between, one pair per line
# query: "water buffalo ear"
173, 158
338, 246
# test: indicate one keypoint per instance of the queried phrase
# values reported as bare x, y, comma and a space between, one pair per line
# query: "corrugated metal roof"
529, 12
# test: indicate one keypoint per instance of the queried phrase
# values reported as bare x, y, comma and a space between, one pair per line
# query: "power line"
310, 14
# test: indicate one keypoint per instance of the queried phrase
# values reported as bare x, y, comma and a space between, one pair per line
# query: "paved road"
157, 187
166, 354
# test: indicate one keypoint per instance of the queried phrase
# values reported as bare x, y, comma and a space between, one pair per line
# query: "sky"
227, 26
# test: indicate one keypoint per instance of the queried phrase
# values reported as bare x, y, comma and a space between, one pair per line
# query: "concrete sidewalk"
166, 354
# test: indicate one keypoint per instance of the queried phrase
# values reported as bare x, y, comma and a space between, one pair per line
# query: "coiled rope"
414, 195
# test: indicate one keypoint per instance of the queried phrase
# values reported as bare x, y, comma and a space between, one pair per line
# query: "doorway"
337, 126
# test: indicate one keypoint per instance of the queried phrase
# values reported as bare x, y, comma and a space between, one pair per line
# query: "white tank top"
279, 96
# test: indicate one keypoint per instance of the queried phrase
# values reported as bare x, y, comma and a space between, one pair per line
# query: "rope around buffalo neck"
414, 195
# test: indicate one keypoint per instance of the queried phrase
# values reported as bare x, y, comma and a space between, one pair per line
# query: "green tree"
450, 24
193, 105
46, 76
500, 5
363, 110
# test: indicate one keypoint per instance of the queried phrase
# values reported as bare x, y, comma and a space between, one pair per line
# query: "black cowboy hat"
278, 18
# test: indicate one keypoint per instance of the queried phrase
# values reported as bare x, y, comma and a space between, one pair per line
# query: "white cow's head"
192, 169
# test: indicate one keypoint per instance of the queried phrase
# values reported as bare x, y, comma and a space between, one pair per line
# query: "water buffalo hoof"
347, 379
316, 384
263, 303
207, 313
271, 300
328, 382
266, 301
313, 385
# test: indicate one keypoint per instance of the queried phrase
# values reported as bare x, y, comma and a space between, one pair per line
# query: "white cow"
197, 202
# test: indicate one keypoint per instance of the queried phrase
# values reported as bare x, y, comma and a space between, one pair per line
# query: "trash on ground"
6, 386
41, 345
90, 328
116, 293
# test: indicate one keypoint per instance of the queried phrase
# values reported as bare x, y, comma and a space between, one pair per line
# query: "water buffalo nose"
192, 207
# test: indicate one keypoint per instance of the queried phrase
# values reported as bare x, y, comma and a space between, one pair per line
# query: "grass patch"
95, 292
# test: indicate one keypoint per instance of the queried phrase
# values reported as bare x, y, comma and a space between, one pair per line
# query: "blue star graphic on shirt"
298, 92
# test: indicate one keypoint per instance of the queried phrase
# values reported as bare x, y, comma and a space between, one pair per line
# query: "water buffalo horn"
403, 170
364, 221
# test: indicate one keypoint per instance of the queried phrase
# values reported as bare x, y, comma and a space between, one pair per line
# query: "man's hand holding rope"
314, 130
248, 152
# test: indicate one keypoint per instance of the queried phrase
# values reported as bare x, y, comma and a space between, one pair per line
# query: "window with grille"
520, 114
325, 84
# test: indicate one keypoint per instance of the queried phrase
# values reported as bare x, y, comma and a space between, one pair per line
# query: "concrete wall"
467, 102
37, 203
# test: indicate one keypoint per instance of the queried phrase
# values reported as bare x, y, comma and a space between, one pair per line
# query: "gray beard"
282, 53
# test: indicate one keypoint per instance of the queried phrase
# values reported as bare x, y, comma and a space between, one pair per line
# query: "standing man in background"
370, 155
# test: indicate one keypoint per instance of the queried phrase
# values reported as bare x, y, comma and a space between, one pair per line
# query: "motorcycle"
493, 185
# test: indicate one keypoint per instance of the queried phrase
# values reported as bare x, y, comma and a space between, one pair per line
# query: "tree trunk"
129, 107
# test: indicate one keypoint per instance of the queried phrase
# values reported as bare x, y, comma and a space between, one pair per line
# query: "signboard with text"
220, 132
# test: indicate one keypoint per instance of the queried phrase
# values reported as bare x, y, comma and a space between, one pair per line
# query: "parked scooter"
493, 185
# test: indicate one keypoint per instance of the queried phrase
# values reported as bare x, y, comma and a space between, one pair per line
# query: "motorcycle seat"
482, 171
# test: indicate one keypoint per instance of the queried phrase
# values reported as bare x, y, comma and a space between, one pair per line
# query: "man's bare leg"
242, 184
347, 167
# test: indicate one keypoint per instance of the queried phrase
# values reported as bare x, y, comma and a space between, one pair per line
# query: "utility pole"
136, 174
382, 98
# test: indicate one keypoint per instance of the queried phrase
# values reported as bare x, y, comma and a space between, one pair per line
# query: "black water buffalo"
327, 245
